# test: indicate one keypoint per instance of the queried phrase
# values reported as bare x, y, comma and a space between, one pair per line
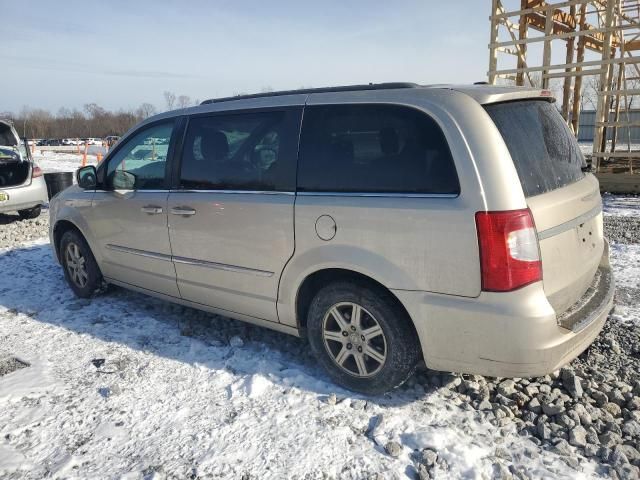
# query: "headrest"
214, 146
389, 142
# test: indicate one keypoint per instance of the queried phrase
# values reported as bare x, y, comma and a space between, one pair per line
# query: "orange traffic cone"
99, 157
84, 156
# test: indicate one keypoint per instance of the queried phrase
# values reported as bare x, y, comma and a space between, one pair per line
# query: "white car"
22, 185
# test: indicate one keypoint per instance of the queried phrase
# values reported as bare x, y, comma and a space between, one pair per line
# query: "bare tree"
170, 99
96, 122
94, 110
146, 110
183, 101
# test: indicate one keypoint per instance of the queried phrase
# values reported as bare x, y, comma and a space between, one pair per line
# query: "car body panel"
513, 335
30, 194
73, 206
134, 245
231, 252
570, 232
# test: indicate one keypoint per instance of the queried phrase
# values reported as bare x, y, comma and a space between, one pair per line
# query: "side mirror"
87, 177
123, 180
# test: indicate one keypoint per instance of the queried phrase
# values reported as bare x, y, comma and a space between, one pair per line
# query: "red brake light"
37, 172
509, 254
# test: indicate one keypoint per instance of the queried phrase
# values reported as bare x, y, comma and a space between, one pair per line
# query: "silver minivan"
386, 223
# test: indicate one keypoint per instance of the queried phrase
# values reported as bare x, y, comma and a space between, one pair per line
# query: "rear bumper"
25, 196
515, 334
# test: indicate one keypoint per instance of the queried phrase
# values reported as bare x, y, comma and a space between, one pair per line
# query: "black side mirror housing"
87, 177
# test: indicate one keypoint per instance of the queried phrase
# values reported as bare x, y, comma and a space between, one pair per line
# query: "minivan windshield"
544, 151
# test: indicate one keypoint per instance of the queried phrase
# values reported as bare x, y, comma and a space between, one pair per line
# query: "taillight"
509, 254
37, 172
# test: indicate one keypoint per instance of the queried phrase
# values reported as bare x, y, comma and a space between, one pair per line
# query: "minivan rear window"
544, 151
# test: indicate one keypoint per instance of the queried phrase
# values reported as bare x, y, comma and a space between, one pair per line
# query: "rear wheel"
362, 337
80, 267
30, 213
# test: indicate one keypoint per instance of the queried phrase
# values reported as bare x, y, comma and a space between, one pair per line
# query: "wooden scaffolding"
598, 40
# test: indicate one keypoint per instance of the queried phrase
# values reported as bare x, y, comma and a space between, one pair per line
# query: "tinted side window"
544, 151
240, 151
140, 163
374, 149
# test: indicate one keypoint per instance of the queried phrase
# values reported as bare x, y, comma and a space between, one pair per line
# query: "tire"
83, 285
397, 343
30, 213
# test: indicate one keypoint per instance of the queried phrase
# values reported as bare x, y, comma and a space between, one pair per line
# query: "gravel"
621, 229
14, 231
588, 409
11, 364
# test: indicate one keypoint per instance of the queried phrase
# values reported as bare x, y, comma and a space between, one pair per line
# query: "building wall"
586, 129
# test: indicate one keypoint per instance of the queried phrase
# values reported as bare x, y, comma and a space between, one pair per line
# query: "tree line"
90, 121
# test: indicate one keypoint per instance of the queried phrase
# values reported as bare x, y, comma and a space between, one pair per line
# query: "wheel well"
317, 280
60, 228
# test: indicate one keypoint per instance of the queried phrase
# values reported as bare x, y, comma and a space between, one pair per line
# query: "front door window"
141, 162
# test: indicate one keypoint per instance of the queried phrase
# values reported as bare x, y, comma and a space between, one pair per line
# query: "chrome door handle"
151, 209
186, 211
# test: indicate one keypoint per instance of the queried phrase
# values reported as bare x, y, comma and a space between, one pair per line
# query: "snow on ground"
622, 205
51, 161
182, 393
626, 263
164, 401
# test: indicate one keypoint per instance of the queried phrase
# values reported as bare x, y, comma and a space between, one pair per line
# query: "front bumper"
25, 196
515, 334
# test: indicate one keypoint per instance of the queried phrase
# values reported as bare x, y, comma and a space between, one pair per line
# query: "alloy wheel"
354, 339
76, 265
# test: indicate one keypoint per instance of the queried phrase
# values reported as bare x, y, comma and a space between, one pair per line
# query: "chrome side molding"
190, 261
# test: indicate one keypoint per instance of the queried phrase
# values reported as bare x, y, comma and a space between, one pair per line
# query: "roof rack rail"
344, 88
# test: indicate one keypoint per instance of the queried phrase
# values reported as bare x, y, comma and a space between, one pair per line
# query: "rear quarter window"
364, 148
543, 149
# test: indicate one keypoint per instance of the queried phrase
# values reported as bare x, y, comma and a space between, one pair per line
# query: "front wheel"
30, 213
80, 267
362, 338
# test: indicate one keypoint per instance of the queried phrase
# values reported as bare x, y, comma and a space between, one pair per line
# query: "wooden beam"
616, 111
595, 63
623, 91
632, 46
619, 182
546, 53
567, 85
577, 88
522, 35
542, 6
607, 31
602, 110
580, 73
493, 53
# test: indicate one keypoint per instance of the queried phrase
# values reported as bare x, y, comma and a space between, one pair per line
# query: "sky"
120, 54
